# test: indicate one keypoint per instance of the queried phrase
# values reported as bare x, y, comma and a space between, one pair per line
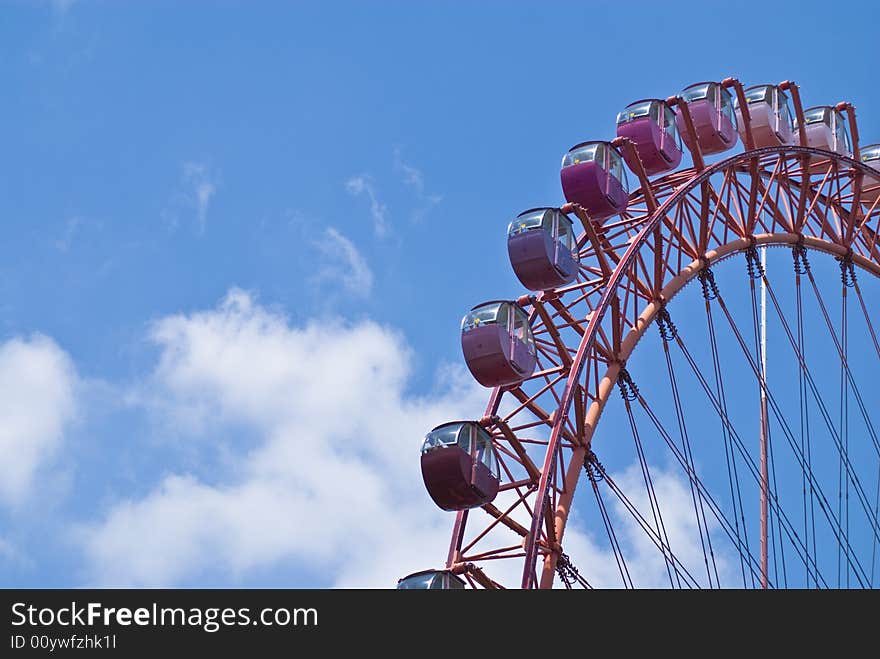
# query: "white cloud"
328, 481
363, 184
587, 547
71, 227
61, 7
412, 176
333, 483
415, 179
332, 486
644, 561
343, 264
200, 189
37, 403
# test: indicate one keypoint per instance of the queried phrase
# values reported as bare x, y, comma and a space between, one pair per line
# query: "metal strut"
595, 470
753, 263
628, 388
707, 281
799, 254
847, 270
668, 330
755, 269
568, 573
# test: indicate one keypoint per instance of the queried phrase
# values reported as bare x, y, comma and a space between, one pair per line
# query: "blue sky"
304, 182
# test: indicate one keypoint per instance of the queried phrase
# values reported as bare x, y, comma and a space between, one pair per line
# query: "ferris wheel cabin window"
440, 437
698, 92
431, 580
581, 154
843, 141
485, 452
759, 94
668, 122
547, 221
421, 581
521, 328
817, 115
501, 317
635, 111
783, 109
670, 125
871, 153
466, 438
600, 156
495, 312
727, 105
526, 221
565, 231
616, 169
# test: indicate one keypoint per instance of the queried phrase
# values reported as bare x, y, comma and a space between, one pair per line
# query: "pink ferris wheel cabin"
651, 125
431, 580
870, 155
711, 109
770, 117
459, 465
542, 248
826, 129
498, 344
593, 176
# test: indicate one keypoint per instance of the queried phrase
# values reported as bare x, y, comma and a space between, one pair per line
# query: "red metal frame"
630, 267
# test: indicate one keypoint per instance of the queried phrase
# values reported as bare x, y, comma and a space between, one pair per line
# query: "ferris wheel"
738, 442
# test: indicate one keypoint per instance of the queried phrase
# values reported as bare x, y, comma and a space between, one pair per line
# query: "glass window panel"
566, 231
484, 315
486, 452
758, 94
634, 111
600, 156
466, 437
817, 115
503, 312
670, 125
443, 436
488, 458
617, 169
870, 153
842, 132
519, 324
480, 447
783, 109
417, 581
526, 222
522, 330
586, 153
453, 582
479, 451
697, 92
727, 105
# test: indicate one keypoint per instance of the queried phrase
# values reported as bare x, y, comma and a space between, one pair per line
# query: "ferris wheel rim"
611, 287
679, 282
805, 210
